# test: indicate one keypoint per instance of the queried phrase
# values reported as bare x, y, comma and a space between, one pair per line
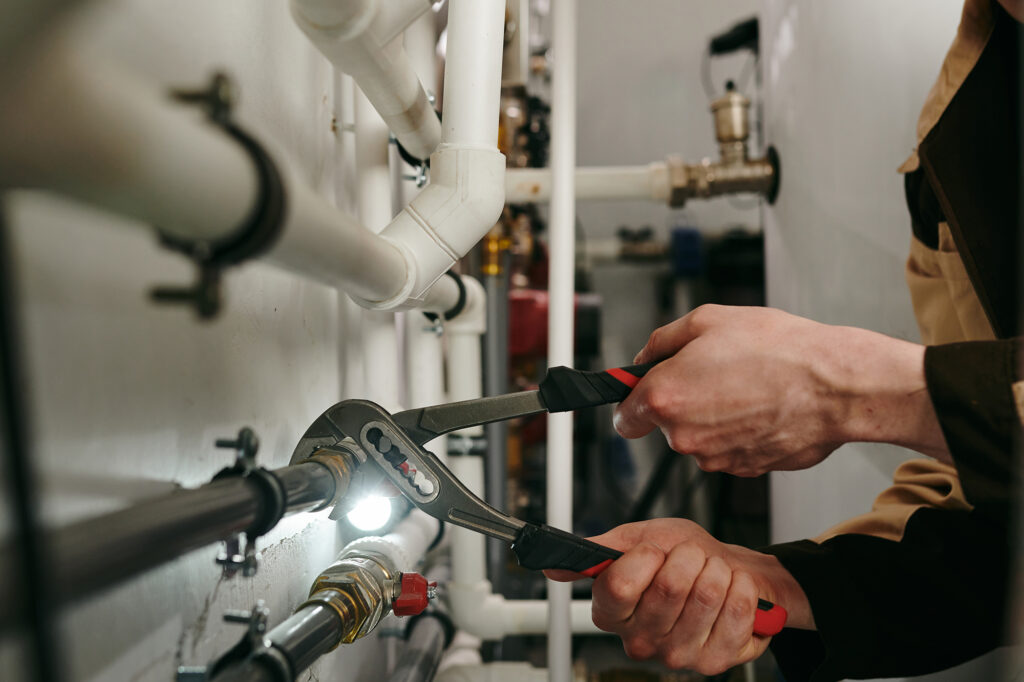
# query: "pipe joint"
359, 587
461, 204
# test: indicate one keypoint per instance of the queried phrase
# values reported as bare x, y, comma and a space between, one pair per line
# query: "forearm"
881, 392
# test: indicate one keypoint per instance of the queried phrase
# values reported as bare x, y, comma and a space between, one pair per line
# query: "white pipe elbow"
462, 202
358, 37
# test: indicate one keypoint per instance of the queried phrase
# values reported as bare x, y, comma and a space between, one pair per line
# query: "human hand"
751, 390
681, 596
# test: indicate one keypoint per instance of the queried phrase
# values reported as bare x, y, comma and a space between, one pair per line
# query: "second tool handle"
564, 389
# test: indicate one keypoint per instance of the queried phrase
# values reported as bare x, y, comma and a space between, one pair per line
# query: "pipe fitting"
463, 201
342, 464
359, 587
358, 38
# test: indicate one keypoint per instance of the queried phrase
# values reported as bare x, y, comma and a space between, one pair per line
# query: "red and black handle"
564, 389
539, 547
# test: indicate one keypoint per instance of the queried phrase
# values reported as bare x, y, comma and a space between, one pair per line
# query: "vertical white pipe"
473, 65
373, 197
561, 315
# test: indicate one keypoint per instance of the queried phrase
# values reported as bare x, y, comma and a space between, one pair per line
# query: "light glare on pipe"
371, 513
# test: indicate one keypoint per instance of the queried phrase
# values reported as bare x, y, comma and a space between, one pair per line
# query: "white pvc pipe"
93, 133
358, 37
561, 272
474, 607
503, 671
405, 545
373, 201
472, 74
90, 132
466, 192
611, 183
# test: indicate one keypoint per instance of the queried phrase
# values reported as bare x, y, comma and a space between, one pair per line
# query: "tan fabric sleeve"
916, 484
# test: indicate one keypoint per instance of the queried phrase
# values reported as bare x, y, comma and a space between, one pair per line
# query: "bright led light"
371, 513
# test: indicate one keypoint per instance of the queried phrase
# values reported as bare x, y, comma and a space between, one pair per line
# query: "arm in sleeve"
976, 390
928, 591
883, 608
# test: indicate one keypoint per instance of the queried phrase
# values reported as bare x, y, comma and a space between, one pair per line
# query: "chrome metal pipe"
424, 646
97, 553
308, 634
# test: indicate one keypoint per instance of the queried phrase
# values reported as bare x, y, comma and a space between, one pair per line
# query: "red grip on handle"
768, 620
623, 376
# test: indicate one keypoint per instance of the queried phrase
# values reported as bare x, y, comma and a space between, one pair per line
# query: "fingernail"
636, 358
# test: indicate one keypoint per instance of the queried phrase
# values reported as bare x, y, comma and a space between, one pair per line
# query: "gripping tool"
395, 444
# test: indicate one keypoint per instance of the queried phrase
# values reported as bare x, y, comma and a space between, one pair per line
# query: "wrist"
778, 586
881, 393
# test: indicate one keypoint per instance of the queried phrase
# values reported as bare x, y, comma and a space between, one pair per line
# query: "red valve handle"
413, 596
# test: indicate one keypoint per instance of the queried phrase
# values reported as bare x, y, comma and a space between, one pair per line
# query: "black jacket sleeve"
937, 597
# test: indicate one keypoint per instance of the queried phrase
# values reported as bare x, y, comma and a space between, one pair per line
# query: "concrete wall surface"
127, 397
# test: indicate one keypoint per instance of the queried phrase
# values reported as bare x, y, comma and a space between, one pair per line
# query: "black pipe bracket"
238, 555
254, 236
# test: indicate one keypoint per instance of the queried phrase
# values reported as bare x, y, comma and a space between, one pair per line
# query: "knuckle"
637, 648
676, 658
660, 404
680, 441
712, 665
620, 592
711, 464
709, 595
669, 588
703, 316
602, 622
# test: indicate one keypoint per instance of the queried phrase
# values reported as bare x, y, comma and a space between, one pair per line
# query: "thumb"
622, 538
561, 576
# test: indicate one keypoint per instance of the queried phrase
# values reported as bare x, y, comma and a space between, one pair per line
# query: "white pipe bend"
358, 37
463, 200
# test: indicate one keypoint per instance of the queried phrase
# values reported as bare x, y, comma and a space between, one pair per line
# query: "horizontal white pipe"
610, 183
95, 134
90, 132
503, 671
358, 37
406, 544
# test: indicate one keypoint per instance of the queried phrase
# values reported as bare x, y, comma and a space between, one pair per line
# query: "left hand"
679, 595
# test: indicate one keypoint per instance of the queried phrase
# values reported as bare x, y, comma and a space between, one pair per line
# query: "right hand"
679, 595
749, 390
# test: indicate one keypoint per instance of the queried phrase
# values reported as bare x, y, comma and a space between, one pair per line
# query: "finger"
562, 576
667, 340
633, 417
663, 601
702, 605
731, 637
619, 588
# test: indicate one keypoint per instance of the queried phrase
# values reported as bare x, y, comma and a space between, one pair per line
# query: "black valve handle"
564, 389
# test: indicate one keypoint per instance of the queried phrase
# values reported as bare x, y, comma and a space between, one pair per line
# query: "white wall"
128, 397
844, 84
640, 99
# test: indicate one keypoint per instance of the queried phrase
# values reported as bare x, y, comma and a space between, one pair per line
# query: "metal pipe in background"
496, 383
425, 643
97, 553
